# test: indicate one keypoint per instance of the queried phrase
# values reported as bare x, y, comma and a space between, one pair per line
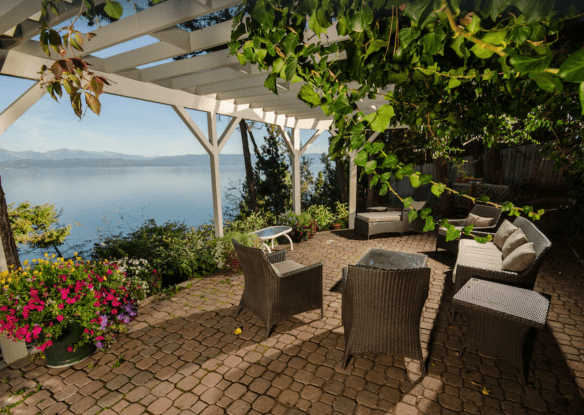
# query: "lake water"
87, 195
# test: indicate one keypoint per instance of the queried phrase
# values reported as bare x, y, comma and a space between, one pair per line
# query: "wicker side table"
502, 320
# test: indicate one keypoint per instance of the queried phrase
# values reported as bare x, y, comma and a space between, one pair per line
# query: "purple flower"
99, 345
104, 322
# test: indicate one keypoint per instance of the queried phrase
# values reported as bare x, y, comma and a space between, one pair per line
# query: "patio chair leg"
423, 367
268, 330
322, 312
346, 360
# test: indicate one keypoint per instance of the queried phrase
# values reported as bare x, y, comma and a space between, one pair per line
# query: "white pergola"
214, 83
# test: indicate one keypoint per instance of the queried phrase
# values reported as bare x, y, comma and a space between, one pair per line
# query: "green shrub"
342, 214
252, 222
226, 245
303, 225
322, 215
175, 250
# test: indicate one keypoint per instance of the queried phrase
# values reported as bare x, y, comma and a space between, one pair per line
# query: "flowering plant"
303, 225
40, 300
144, 280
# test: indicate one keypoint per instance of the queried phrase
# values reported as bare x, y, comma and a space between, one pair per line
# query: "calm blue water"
90, 195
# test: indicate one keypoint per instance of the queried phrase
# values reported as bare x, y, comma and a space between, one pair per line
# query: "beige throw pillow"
514, 241
520, 258
505, 230
479, 221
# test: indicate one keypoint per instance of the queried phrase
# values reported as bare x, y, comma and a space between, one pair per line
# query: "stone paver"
181, 354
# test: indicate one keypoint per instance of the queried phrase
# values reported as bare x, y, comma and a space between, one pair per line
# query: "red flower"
114, 311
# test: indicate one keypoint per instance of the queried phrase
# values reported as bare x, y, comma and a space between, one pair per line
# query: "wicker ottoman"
502, 320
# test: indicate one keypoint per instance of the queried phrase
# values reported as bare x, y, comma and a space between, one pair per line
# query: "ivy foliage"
456, 66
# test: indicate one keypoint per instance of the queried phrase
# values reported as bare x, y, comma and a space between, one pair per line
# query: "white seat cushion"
475, 254
286, 266
380, 216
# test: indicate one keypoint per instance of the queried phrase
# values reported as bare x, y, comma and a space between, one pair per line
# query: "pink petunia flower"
60, 317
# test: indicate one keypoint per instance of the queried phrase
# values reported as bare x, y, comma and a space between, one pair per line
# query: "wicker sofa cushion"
520, 258
514, 241
475, 254
505, 230
479, 221
380, 216
286, 266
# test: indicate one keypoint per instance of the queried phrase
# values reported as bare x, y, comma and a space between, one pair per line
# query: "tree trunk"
446, 200
248, 169
10, 250
341, 181
370, 190
493, 164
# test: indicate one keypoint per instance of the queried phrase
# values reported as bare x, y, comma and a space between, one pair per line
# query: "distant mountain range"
81, 158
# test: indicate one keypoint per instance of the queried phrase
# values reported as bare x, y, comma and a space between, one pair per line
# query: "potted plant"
243, 238
66, 309
341, 216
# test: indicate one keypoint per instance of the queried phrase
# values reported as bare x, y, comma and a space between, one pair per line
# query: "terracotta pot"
336, 226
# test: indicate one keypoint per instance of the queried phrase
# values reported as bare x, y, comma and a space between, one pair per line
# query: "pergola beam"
20, 106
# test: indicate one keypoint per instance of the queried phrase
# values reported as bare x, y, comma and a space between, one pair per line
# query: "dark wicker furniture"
275, 288
382, 307
501, 320
394, 220
479, 210
474, 258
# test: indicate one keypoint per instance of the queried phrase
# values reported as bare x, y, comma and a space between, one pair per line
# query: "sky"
125, 125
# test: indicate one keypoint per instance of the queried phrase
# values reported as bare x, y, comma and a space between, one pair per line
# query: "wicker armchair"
382, 310
479, 210
524, 279
394, 220
276, 289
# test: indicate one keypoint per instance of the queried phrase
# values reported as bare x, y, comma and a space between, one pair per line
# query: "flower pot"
57, 354
336, 227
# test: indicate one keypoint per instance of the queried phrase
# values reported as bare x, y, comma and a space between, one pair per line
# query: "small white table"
272, 233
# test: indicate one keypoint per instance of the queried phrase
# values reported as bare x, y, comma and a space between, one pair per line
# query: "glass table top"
381, 258
272, 231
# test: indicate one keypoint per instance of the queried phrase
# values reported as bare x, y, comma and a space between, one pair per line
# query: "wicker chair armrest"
457, 222
276, 256
308, 270
465, 273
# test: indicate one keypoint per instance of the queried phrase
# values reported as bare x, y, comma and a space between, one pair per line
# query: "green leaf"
406, 36
453, 83
483, 198
290, 42
318, 21
429, 226
93, 103
467, 229
474, 25
291, 66
407, 202
520, 34
384, 115
374, 46
415, 180
114, 10
438, 189
495, 38
361, 158
390, 162
425, 179
263, 14
433, 41
237, 33
384, 190
425, 212
376, 148
385, 176
572, 70
547, 82
270, 82
307, 95
452, 233
412, 215
457, 45
370, 166
374, 180
530, 63
480, 52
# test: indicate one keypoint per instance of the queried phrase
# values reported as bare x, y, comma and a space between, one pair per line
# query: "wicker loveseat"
485, 261
275, 288
483, 211
394, 220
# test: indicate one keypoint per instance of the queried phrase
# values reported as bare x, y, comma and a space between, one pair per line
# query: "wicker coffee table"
380, 258
502, 320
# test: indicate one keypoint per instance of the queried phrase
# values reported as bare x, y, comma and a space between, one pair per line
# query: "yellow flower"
46, 255
104, 278
25, 263
6, 287
4, 274
9, 280
53, 256
75, 253
237, 331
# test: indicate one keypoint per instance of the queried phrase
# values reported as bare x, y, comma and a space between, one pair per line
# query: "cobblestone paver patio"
182, 356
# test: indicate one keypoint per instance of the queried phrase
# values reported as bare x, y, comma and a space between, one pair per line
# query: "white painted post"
215, 176
296, 180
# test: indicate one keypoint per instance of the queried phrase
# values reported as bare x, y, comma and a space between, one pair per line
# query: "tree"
33, 226
8, 243
452, 69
